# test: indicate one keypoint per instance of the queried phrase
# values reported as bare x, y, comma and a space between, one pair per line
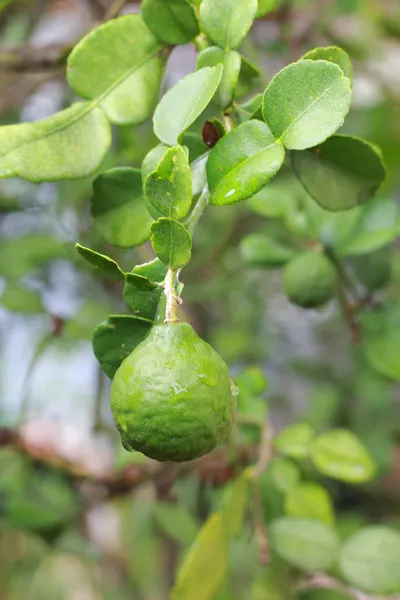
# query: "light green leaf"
176, 522
107, 265
383, 353
88, 316
231, 61
19, 256
141, 296
261, 251
341, 173
71, 143
370, 560
304, 543
235, 502
341, 455
17, 298
332, 54
242, 162
295, 441
173, 21
205, 565
272, 583
183, 103
118, 207
249, 110
265, 7
169, 187
154, 270
284, 473
309, 501
226, 22
118, 66
306, 103
116, 338
171, 242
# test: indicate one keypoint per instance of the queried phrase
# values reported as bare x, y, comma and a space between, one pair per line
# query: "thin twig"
114, 9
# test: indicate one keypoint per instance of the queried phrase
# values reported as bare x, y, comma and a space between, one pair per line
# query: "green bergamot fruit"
309, 280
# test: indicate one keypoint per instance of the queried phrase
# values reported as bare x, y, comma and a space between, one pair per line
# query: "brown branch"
27, 58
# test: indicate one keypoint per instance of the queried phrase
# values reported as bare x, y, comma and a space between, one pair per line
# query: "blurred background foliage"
79, 517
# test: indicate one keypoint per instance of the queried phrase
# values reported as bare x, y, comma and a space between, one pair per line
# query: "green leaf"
295, 441
323, 594
341, 455
141, 296
107, 265
154, 270
194, 143
370, 560
265, 7
183, 103
116, 338
226, 22
171, 242
332, 54
71, 143
242, 163
235, 502
304, 543
249, 110
18, 298
323, 406
176, 522
169, 187
284, 473
383, 353
118, 207
118, 66
19, 256
173, 21
309, 501
248, 76
272, 583
88, 316
341, 173
306, 103
231, 61
205, 565
261, 251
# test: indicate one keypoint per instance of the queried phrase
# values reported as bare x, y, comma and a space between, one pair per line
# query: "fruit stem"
172, 297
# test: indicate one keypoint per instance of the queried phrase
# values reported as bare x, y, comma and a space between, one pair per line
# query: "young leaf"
169, 187
306, 544
242, 163
226, 22
118, 207
341, 455
309, 501
332, 54
154, 270
106, 264
183, 103
72, 143
265, 7
115, 339
205, 565
370, 560
261, 251
118, 66
295, 441
173, 22
171, 242
231, 61
306, 103
141, 296
341, 173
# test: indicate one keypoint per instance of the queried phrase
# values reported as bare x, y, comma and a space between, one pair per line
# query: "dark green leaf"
306, 103
323, 594
172, 21
231, 61
17, 298
248, 79
332, 54
373, 270
261, 251
304, 543
242, 163
309, 501
341, 455
118, 67
370, 560
118, 207
265, 7
295, 440
383, 353
226, 22
183, 103
107, 265
194, 143
171, 242
20, 256
141, 296
250, 110
341, 173
115, 339
169, 187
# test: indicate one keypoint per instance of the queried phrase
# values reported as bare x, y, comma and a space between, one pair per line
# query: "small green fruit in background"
172, 398
309, 280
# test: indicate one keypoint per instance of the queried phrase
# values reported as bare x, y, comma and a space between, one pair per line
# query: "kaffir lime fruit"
172, 398
309, 280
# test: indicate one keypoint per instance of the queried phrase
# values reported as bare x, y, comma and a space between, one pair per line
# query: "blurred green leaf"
306, 102
332, 54
323, 406
370, 560
15, 472
284, 473
118, 208
242, 163
115, 339
341, 455
249, 78
107, 265
304, 543
141, 296
176, 522
88, 316
272, 584
260, 250
18, 298
171, 242
323, 594
20, 256
226, 22
309, 501
173, 22
383, 353
236, 497
374, 270
295, 440
265, 7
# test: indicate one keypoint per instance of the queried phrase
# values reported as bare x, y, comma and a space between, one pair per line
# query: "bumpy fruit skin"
172, 398
309, 280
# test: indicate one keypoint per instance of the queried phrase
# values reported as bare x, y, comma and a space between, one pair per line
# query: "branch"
27, 58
